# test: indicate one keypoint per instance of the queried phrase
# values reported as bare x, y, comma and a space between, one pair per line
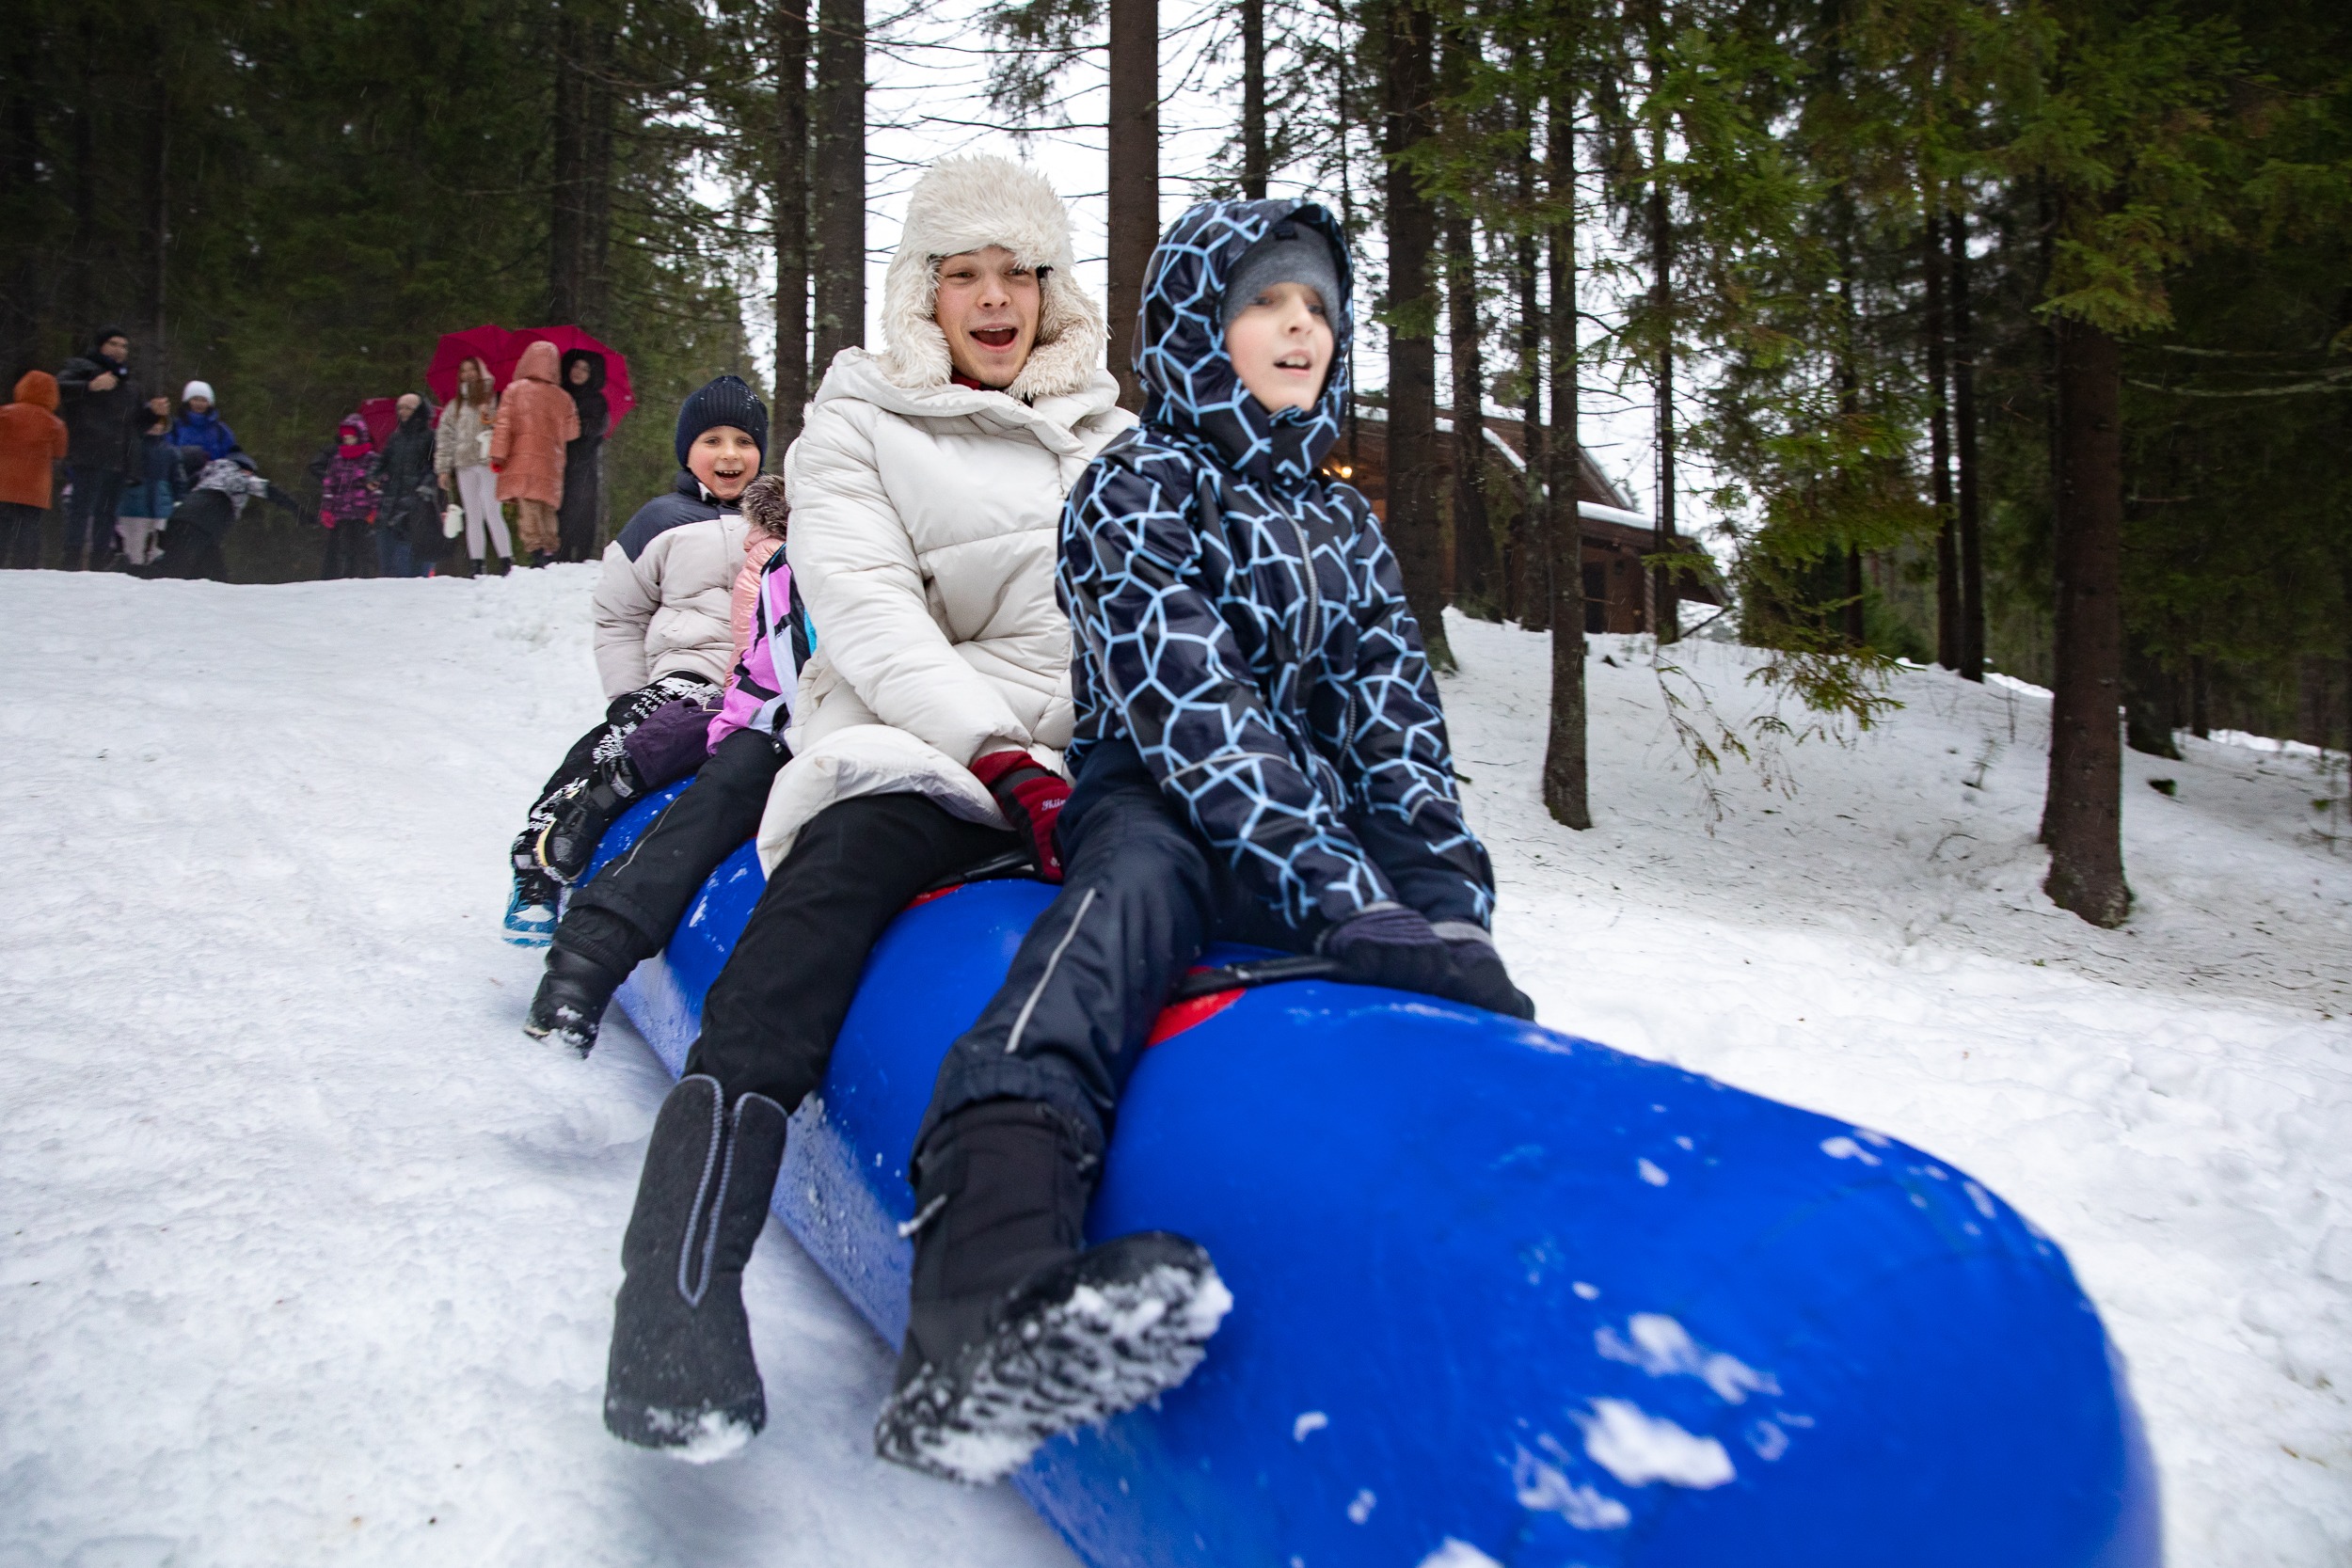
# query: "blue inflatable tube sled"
1502, 1296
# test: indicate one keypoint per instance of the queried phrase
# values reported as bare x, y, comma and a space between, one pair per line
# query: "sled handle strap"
1252, 972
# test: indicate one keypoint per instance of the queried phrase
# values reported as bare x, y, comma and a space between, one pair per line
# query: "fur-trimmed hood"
967, 204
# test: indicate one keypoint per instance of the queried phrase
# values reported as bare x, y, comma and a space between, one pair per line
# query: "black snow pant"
771, 1016
601, 744
1141, 898
625, 915
19, 535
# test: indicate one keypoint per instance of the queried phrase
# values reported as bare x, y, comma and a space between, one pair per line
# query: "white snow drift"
309, 1252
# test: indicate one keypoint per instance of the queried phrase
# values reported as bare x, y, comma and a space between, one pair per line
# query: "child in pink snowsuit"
347, 492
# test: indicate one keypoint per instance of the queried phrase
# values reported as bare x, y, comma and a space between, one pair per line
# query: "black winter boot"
571, 999
682, 1378
581, 813
1014, 1335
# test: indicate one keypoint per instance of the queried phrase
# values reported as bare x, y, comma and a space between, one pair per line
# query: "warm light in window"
1347, 471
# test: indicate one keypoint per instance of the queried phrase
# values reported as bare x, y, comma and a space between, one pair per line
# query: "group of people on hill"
1166, 664
399, 508
143, 485
129, 460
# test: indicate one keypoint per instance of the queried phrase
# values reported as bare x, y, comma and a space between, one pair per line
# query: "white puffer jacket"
664, 598
925, 522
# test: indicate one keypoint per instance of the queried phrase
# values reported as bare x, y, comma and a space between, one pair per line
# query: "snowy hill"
310, 1251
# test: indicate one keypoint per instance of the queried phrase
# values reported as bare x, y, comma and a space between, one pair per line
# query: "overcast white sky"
927, 69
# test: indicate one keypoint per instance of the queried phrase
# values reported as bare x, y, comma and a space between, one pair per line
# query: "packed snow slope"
309, 1252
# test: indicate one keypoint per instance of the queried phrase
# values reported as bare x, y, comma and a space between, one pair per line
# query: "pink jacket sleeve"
746, 591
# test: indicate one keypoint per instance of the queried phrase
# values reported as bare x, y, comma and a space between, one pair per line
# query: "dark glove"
1392, 945
1482, 982
1031, 799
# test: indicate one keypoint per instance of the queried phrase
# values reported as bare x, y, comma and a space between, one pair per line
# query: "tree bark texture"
1254, 155
837, 167
580, 227
1666, 613
1135, 177
1414, 529
1476, 568
788, 22
158, 203
1947, 590
2082, 819
1564, 792
1965, 521
1531, 552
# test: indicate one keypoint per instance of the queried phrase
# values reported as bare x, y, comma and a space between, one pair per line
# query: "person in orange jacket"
32, 444
537, 420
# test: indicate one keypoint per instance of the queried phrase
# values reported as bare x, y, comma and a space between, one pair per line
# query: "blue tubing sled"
1500, 1295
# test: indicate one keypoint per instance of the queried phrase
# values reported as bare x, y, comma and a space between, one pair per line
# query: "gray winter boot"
682, 1378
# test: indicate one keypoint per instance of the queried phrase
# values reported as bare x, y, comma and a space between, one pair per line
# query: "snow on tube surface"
1501, 1295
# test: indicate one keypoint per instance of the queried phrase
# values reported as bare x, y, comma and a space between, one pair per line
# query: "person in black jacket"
198, 525
103, 411
1260, 757
408, 537
576, 520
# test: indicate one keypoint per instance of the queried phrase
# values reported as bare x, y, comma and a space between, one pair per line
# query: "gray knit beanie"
1287, 253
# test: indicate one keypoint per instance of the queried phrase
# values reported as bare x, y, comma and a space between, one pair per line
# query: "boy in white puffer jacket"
927, 489
662, 644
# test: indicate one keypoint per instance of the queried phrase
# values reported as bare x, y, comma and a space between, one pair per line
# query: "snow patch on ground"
309, 1253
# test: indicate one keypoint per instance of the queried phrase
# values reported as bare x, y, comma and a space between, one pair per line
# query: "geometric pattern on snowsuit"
1242, 619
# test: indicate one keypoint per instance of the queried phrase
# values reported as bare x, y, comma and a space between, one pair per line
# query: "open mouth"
995, 336
1295, 362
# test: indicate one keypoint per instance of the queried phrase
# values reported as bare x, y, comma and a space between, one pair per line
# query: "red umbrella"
382, 415
486, 343
617, 395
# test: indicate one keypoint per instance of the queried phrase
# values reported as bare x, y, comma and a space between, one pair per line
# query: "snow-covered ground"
308, 1253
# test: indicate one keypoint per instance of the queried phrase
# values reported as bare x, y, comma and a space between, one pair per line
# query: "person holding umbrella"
583, 457
461, 460
536, 421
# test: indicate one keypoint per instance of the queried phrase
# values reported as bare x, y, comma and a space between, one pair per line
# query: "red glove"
1031, 799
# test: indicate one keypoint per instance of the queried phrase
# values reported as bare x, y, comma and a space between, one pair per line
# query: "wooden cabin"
1618, 589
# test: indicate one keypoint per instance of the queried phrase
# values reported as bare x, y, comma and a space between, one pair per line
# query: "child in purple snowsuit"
626, 913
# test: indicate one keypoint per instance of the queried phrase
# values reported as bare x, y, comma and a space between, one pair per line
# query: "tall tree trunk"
1564, 794
787, 23
1414, 529
158, 220
1666, 617
81, 265
1948, 591
1254, 167
2082, 819
1530, 548
1964, 450
579, 220
1474, 565
1135, 177
837, 166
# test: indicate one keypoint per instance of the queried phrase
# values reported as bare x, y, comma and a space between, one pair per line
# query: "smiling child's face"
1282, 345
724, 459
987, 307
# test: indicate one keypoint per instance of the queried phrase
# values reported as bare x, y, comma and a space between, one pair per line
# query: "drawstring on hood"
1190, 385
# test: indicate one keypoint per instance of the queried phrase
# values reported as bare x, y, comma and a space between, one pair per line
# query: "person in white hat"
199, 423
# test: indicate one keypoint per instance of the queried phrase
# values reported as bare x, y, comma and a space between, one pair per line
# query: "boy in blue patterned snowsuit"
1260, 756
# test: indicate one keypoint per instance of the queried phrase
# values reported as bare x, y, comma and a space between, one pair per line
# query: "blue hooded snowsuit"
1259, 753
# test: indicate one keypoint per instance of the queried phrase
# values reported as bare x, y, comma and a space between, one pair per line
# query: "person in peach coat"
538, 420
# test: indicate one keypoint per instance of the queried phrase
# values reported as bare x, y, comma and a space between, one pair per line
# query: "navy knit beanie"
725, 401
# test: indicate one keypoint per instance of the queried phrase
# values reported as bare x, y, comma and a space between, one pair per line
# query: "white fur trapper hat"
967, 204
